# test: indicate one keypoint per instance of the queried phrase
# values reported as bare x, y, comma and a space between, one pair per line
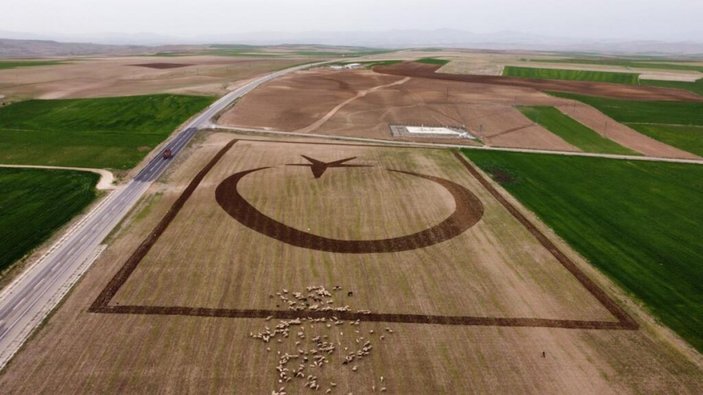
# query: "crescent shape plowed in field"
468, 211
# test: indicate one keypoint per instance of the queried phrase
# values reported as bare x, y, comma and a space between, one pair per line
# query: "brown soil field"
363, 104
620, 91
296, 101
98, 77
499, 306
162, 65
358, 108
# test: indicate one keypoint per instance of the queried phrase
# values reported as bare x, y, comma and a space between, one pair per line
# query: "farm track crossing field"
570, 75
101, 133
675, 123
174, 302
688, 138
640, 223
572, 131
34, 203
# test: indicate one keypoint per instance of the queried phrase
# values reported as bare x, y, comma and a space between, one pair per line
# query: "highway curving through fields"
30, 297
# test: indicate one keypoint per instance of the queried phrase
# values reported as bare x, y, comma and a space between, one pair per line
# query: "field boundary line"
9, 289
623, 317
123, 274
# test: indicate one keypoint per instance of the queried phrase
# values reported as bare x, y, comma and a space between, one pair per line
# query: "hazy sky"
630, 19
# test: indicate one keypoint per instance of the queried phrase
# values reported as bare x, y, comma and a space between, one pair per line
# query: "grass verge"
105, 133
572, 131
34, 203
638, 222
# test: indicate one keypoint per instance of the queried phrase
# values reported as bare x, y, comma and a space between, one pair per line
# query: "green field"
695, 87
106, 133
571, 75
13, 64
34, 203
674, 123
687, 138
666, 112
634, 63
572, 131
640, 223
441, 62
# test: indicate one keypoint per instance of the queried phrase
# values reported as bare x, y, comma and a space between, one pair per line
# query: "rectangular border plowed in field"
102, 302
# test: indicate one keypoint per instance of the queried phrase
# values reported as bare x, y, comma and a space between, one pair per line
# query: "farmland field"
13, 64
631, 111
570, 75
688, 138
456, 291
34, 203
433, 61
674, 123
572, 131
640, 223
97, 77
653, 63
695, 87
105, 133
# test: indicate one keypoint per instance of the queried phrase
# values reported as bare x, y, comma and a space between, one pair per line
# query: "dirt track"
299, 102
620, 91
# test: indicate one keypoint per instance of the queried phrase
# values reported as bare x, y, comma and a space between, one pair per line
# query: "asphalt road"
29, 298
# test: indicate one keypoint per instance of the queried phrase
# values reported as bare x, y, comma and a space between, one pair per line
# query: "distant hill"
11, 48
29, 45
453, 38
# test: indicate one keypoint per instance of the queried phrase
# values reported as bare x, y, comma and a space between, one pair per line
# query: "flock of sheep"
314, 351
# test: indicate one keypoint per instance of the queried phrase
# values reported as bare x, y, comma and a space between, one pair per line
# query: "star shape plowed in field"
319, 167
